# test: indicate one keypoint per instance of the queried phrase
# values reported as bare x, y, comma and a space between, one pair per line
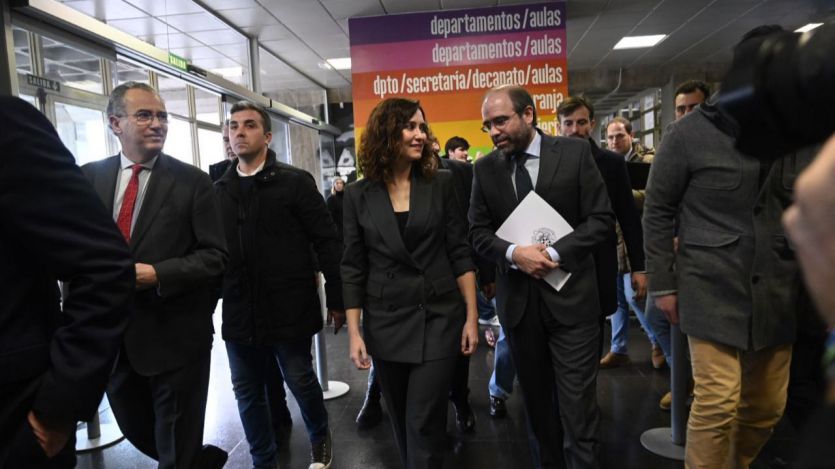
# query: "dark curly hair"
381, 143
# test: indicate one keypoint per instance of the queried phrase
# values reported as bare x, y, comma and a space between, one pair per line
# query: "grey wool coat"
735, 272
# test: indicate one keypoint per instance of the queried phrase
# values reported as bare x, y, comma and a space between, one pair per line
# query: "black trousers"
459, 390
416, 400
18, 446
557, 369
162, 415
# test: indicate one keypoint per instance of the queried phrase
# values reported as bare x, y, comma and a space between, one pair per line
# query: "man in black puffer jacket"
272, 216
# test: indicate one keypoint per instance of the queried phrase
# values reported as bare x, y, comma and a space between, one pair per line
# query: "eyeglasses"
497, 122
146, 117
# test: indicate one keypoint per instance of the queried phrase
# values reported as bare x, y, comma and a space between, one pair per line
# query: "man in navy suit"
55, 357
168, 213
554, 335
577, 120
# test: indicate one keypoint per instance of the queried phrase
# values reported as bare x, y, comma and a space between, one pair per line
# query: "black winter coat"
269, 289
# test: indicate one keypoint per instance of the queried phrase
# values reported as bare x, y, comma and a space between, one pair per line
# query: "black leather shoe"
370, 414
212, 457
464, 418
497, 408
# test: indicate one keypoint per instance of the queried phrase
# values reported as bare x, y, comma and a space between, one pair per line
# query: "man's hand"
146, 276
668, 304
489, 290
639, 285
337, 318
533, 260
51, 436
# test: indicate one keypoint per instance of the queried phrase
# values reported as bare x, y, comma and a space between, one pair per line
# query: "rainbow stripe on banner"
449, 59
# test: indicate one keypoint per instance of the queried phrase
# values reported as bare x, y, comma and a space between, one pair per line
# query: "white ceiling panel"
236, 51
343, 24
166, 7
147, 26
218, 62
340, 9
269, 33
329, 42
194, 22
312, 27
248, 17
220, 5
106, 11
196, 53
172, 41
288, 11
219, 37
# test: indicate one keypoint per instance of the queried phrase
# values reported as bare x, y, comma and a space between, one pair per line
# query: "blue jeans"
620, 320
249, 373
486, 309
501, 382
661, 328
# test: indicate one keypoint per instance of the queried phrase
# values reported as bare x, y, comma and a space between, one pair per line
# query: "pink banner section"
462, 51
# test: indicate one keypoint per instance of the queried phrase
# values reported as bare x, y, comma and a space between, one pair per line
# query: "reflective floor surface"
628, 399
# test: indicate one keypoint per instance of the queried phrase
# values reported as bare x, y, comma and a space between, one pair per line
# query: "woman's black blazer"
413, 310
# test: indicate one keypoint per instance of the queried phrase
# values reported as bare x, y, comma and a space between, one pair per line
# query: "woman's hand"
469, 337
358, 354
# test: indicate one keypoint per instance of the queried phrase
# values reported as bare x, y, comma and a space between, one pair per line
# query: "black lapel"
420, 201
382, 213
550, 155
159, 186
105, 183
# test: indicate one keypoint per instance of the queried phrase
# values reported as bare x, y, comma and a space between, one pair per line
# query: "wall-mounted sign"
45, 83
178, 62
449, 59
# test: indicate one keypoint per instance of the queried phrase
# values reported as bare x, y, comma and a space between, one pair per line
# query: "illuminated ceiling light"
341, 63
639, 42
808, 27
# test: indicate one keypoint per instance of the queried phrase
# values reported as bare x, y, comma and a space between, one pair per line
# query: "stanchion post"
669, 441
97, 436
330, 389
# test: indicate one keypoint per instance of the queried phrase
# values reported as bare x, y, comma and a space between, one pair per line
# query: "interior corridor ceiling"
299, 35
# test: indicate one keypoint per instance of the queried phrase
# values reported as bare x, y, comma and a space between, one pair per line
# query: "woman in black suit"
407, 265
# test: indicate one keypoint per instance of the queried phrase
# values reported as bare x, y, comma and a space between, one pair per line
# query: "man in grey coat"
732, 284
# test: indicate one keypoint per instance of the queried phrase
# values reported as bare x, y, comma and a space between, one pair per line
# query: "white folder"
534, 221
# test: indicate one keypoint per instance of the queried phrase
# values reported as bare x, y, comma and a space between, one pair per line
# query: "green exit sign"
177, 61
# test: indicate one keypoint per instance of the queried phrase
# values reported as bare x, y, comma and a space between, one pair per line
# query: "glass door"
82, 128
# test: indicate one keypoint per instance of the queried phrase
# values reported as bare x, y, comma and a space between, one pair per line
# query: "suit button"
391, 307
420, 307
389, 275
755, 279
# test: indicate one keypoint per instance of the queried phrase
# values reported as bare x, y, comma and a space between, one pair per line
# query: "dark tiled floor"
628, 400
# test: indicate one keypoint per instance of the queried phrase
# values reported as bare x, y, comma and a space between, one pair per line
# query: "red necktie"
128, 202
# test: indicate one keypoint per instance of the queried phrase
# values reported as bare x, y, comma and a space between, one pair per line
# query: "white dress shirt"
122, 185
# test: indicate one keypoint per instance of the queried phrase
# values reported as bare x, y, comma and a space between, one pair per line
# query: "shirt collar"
126, 163
535, 147
243, 174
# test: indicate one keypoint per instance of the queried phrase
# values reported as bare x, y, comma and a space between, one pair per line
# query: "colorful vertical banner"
449, 59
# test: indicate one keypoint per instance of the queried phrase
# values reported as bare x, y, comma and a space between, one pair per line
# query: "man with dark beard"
554, 335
